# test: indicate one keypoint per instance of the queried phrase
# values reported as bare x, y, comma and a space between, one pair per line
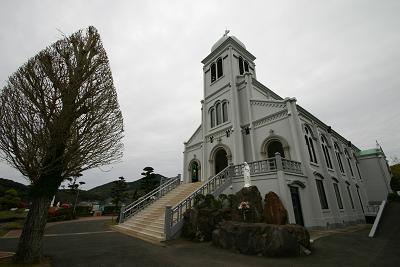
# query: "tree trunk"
30, 243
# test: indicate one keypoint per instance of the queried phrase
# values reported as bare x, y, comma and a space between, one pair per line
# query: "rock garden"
244, 223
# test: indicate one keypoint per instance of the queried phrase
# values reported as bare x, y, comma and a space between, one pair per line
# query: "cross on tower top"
226, 32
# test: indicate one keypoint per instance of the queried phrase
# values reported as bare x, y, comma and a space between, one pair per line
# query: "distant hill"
103, 192
6, 184
100, 193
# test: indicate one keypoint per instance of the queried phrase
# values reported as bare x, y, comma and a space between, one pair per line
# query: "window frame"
324, 145
338, 196
338, 157
322, 194
310, 144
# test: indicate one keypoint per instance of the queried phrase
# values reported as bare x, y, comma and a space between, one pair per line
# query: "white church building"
322, 178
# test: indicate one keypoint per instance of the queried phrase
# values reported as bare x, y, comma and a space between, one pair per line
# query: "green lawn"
11, 220
8, 215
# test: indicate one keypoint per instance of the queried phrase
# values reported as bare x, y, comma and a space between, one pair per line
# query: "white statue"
246, 175
52, 202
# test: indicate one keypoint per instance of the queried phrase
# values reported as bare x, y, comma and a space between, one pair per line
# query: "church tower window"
213, 73
243, 66
246, 66
310, 145
241, 71
224, 111
218, 112
324, 146
212, 117
220, 71
338, 157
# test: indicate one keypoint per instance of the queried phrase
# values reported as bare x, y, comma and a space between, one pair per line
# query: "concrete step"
138, 224
145, 230
143, 236
148, 224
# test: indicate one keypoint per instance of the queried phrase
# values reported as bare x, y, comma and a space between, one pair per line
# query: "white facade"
318, 178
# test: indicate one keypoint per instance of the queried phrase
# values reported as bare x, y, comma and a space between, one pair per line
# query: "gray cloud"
340, 60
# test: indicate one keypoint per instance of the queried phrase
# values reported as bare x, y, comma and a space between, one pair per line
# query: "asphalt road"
93, 244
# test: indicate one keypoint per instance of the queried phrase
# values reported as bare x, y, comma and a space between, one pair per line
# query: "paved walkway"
17, 233
91, 243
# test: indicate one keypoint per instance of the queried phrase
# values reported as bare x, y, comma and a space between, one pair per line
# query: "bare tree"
59, 116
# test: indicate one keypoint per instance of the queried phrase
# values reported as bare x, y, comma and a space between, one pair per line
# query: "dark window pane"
212, 117
213, 74
246, 66
351, 198
313, 150
219, 68
322, 195
241, 66
339, 199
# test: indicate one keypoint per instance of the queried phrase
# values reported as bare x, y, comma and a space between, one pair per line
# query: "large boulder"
200, 221
260, 238
252, 196
274, 211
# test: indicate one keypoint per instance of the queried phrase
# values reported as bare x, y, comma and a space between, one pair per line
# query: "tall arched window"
310, 145
218, 113
338, 157
349, 162
241, 68
212, 117
224, 111
219, 68
213, 73
324, 145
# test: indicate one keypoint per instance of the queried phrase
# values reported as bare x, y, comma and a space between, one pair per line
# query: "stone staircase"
148, 224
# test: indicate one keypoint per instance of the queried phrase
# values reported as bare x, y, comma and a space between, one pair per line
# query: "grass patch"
8, 215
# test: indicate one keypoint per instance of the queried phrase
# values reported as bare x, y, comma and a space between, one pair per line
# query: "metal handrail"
141, 203
210, 187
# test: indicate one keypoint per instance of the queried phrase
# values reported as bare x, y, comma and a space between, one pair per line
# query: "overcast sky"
340, 59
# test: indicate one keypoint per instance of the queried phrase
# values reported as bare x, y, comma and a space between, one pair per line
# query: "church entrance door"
194, 172
220, 160
298, 214
273, 147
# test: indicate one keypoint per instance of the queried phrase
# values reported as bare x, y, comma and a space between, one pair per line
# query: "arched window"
273, 147
219, 68
310, 145
218, 113
338, 157
349, 162
324, 145
241, 70
243, 66
212, 117
224, 111
213, 73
